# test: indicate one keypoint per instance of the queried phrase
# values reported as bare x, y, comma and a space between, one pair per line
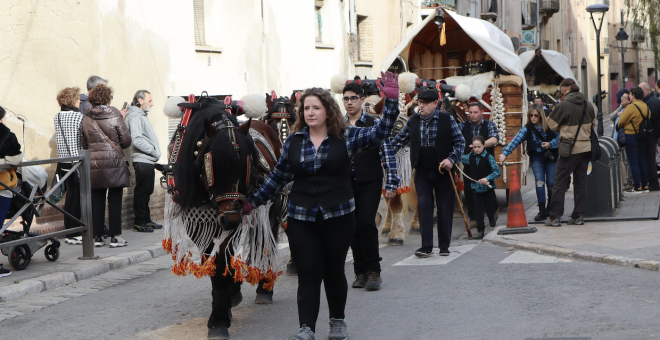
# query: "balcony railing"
638, 33
451, 4
528, 15
549, 6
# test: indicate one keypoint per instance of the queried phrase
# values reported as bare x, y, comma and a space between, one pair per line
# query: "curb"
541, 248
85, 270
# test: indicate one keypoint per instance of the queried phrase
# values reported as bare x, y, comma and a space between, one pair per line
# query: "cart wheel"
52, 253
20, 256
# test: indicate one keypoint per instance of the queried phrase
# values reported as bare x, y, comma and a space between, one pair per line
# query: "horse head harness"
235, 195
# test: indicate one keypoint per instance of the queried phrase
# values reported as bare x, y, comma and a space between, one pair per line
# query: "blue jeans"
544, 174
637, 161
5, 202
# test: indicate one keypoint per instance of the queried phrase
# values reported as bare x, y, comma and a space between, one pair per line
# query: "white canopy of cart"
556, 60
490, 38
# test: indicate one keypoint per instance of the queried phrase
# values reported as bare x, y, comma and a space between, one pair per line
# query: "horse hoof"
291, 269
236, 299
218, 333
384, 232
392, 242
264, 299
414, 231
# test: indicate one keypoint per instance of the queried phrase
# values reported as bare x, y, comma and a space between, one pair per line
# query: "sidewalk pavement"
43, 275
625, 243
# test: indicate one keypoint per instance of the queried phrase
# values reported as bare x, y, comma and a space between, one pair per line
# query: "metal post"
598, 96
623, 67
86, 208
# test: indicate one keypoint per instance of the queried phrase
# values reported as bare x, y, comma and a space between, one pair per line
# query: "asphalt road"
472, 297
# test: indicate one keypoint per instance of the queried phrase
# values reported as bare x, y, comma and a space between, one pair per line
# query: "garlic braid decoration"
497, 112
402, 103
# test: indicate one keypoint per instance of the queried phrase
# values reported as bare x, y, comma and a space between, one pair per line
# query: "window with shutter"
198, 6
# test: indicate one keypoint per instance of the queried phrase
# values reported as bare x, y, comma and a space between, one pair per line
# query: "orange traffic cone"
516, 222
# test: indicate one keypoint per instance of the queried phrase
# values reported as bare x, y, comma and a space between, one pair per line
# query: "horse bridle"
235, 195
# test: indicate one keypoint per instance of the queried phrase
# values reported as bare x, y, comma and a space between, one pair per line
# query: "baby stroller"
32, 184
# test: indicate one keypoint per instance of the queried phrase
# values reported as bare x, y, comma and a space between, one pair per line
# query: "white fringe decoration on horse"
251, 251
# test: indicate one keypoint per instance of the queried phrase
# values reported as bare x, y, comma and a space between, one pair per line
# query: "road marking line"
527, 257
435, 260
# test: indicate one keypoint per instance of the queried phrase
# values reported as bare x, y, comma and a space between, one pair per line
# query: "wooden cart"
474, 47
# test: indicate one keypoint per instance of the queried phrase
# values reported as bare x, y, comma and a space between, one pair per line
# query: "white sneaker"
99, 242
117, 242
74, 240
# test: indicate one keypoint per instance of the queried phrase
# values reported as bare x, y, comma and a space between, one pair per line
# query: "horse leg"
387, 225
291, 267
396, 235
226, 294
412, 202
264, 296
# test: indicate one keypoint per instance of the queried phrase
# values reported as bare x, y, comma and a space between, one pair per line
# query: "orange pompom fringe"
237, 268
399, 191
284, 225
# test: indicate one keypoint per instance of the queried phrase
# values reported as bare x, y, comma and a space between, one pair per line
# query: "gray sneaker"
304, 333
552, 223
575, 221
338, 329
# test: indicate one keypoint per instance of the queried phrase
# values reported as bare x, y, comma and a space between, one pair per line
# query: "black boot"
542, 214
480, 235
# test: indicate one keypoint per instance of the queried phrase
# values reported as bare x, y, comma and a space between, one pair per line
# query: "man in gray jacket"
146, 153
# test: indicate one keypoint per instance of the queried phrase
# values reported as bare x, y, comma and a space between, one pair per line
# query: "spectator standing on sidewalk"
477, 126
366, 182
104, 134
565, 119
146, 153
631, 119
623, 99
10, 152
91, 82
485, 170
68, 135
650, 150
542, 150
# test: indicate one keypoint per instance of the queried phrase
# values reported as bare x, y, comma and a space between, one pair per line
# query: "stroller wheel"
20, 256
52, 253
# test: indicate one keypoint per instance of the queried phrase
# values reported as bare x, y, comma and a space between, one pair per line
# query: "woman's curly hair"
100, 95
336, 122
68, 97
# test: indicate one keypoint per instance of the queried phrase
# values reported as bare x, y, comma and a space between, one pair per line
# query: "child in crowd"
484, 170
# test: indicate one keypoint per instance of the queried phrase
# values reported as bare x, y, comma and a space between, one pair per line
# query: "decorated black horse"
213, 164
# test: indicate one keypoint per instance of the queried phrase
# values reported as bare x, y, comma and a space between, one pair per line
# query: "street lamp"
602, 9
622, 40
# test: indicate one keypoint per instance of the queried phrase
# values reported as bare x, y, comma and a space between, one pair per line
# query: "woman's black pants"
319, 250
114, 211
72, 201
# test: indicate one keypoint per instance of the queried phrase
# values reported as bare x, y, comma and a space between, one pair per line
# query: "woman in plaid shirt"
321, 204
542, 146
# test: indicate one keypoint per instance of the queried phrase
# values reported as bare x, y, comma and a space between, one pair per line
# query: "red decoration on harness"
227, 102
273, 94
358, 81
424, 83
298, 94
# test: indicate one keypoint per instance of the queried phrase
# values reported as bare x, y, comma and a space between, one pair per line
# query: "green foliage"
646, 13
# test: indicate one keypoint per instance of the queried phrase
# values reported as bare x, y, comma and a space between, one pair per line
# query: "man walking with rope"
434, 139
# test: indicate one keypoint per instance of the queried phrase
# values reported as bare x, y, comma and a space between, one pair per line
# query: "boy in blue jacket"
484, 170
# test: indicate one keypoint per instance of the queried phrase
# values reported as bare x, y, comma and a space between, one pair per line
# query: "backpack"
645, 128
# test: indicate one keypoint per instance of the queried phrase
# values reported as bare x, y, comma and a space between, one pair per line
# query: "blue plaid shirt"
388, 157
428, 133
521, 136
357, 140
493, 175
492, 129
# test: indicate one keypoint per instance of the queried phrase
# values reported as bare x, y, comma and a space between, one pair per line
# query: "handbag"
549, 155
565, 148
119, 151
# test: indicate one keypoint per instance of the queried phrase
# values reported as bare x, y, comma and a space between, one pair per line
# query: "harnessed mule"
214, 164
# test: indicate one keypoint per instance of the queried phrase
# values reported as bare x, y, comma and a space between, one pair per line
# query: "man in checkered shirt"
435, 140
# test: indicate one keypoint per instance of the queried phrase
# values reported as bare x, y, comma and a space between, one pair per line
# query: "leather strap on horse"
179, 134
